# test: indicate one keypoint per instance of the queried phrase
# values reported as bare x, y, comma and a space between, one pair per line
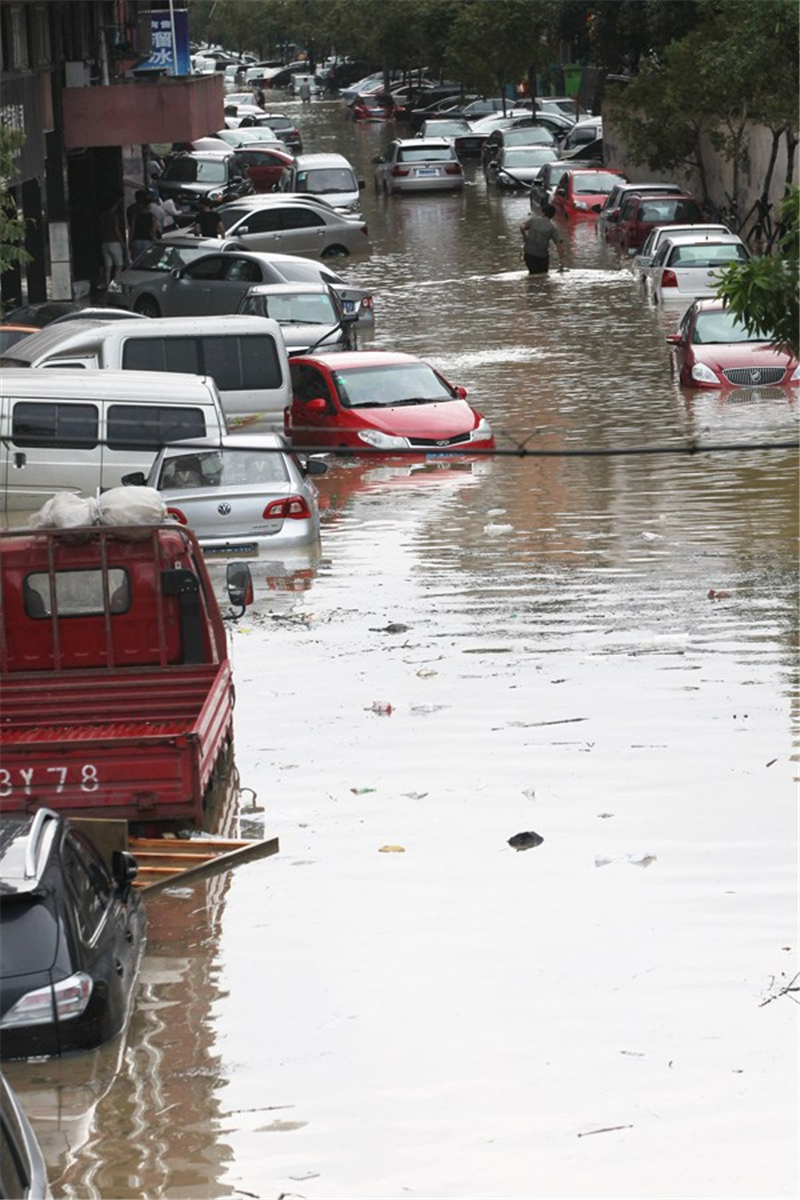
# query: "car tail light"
669, 279
177, 515
45, 1005
401, 170
366, 302
290, 508
453, 169
364, 230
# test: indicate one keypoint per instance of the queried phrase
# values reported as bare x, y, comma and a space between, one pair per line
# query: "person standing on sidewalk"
537, 234
142, 225
113, 244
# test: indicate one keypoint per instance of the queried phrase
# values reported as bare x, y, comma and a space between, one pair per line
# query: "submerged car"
245, 495
583, 190
191, 177
383, 400
72, 937
518, 166
457, 131
24, 1171
310, 315
263, 166
641, 263
358, 300
688, 267
212, 284
638, 215
713, 349
292, 224
418, 165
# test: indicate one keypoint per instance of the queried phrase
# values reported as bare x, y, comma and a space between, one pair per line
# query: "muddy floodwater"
600, 650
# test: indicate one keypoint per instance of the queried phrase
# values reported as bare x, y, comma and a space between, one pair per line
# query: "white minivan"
245, 356
81, 432
329, 177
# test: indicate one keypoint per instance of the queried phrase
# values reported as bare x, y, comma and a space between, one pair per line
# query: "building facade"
84, 82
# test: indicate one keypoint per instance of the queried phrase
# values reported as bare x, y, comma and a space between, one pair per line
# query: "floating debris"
392, 627
525, 841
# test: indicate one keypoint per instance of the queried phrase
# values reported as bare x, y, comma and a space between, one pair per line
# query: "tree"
12, 224
763, 292
740, 64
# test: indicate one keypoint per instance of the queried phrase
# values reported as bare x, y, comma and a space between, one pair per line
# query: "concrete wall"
719, 173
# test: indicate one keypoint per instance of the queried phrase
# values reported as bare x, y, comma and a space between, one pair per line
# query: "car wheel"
146, 306
335, 252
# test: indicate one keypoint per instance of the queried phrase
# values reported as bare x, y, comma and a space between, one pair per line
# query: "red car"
712, 349
380, 399
638, 215
263, 166
375, 107
584, 190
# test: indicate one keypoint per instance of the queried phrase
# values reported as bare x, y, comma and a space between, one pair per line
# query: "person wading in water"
537, 233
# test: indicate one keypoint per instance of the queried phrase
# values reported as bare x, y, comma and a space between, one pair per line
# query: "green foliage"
764, 291
492, 44
12, 224
740, 63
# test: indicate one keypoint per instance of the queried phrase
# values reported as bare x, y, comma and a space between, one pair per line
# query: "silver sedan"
243, 496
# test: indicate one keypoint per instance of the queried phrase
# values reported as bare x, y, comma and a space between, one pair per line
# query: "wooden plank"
248, 852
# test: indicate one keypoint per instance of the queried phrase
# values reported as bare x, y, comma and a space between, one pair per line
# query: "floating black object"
525, 841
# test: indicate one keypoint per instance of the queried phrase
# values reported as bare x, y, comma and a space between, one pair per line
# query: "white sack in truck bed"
117, 506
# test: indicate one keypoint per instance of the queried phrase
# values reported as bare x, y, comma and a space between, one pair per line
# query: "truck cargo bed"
130, 743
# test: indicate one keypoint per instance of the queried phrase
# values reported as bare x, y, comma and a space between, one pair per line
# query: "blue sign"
164, 56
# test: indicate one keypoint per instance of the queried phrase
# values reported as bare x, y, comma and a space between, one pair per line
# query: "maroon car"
638, 215
712, 349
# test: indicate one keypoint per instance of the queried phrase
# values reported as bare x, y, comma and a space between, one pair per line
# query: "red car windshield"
720, 327
403, 383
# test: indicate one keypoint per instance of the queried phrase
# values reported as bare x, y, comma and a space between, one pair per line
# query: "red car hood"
431, 420
724, 355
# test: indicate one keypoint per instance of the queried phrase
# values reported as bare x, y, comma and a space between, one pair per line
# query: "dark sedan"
72, 938
202, 175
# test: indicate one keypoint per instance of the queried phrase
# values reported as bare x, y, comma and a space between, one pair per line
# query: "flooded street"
600, 649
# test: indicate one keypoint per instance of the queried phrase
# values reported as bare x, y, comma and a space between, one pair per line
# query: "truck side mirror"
239, 585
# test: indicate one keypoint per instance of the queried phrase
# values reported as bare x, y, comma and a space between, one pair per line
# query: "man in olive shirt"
537, 233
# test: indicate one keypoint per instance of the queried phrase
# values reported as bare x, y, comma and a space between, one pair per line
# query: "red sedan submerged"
380, 399
584, 190
712, 349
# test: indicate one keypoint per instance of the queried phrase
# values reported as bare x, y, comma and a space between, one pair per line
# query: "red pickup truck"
116, 697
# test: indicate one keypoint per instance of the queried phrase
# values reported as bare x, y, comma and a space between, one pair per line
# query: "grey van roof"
76, 336
24, 384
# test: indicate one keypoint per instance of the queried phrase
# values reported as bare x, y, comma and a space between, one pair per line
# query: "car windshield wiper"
416, 400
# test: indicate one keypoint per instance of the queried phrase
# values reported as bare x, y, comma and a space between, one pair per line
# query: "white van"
329, 177
245, 356
76, 432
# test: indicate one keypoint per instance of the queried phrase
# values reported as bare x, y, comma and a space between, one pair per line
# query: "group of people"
125, 235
